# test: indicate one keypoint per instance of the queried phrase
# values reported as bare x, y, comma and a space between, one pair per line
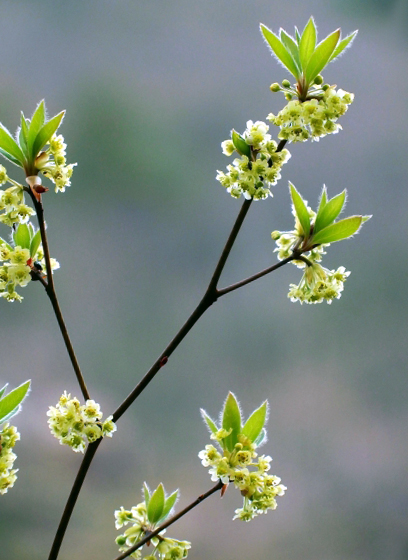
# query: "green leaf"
231, 419
338, 231
2, 242
37, 122
10, 147
329, 213
46, 132
279, 50
146, 493
10, 157
11, 403
156, 505
210, 423
255, 423
300, 209
261, 438
22, 236
323, 199
343, 44
291, 47
23, 135
35, 243
297, 35
3, 389
307, 43
321, 56
169, 504
240, 145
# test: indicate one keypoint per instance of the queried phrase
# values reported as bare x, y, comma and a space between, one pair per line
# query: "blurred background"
151, 88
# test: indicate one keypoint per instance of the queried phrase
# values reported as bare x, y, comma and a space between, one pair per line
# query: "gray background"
151, 89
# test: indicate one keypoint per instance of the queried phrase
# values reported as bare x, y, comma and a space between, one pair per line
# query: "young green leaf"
35, 243
323, 199
297, 35
37, 122
338, 231
146, 493
279, 50
156, 505
22, 236
300, 209
3, 389
231, 419
169, 504
2, 242
23, 135
329, 213
240, 145
11, 403
10, 157
255, 423
261, 438
321, 56
46, 132
10, 147
307, 42
210, 423
343, 44
291, 47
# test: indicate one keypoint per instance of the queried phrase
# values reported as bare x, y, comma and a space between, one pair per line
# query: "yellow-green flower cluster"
16, 267
258, 488
53, 164
8, 437
12, 206
76, 425
319, 284
313, 118
253, 176
165, 548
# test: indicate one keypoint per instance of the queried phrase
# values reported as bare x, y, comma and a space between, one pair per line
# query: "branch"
51, 293
172, 520
69, 507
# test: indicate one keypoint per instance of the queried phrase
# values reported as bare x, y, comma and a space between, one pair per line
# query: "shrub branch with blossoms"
312, 111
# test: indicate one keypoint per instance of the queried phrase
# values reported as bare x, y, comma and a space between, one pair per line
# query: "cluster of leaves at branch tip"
237, 442
313, 232
314, 107
144, 518
77, 425
10, 405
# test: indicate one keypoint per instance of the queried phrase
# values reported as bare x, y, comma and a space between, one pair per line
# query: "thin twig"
51, 293
172, 520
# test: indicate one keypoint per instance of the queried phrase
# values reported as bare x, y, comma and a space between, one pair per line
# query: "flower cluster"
53, 164
144, 518
306, 243
8, 437
76, 425
18, 264
313, 118
258, 167
237, 455
15, 211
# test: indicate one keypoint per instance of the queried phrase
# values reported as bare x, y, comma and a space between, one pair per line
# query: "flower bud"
286, 83
275, 87
318, 80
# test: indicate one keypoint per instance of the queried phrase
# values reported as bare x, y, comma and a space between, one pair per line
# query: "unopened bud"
286, 83
275, 87
318, 80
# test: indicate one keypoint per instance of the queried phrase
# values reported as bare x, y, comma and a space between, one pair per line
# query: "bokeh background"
151, 88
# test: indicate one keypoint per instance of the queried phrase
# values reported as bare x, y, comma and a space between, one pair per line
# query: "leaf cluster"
158, 505
323, 228
10, 404
25, 237
302, 56
31, 137
231, 419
